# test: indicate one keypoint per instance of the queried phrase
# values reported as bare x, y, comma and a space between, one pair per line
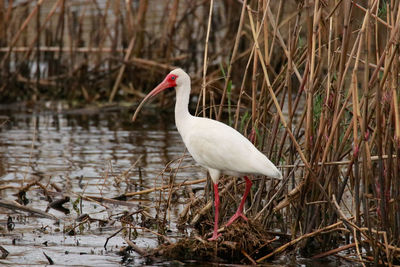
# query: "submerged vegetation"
315, 84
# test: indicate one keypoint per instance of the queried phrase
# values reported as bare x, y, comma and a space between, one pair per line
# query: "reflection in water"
85, 152
89, 145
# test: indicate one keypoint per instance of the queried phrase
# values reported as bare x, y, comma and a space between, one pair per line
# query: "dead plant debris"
239, 243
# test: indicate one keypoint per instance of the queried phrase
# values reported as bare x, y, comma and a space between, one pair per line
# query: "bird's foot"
214, 236
235, 217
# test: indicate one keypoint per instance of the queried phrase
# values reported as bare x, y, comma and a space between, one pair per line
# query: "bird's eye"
173, 78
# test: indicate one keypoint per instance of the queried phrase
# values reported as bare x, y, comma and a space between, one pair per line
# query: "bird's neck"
182, 115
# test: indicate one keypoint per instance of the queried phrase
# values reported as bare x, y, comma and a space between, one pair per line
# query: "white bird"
215, 146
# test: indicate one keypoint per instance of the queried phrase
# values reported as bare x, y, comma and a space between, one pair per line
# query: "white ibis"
215, 146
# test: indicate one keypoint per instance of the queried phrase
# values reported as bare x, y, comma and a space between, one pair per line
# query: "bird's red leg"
216, 204
239, 212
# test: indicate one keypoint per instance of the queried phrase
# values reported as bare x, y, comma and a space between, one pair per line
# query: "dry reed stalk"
312, 29
74, 30
266, 34
205, 60
283, 121
71, 36
129, 15
139, 23
122, 69
21, 29
242, 88
335, 134
393, 36
273, 21
275, 125
288, 84
170, 30
171, 181
116, 8
288, 197
379, 144
334, 251
104, 18
59, 36
377, 18
47, 19
350, 224
312, 32
146, 191
270, 16
295, 105
3, 32
300, 238
366, 168
342, 162
288, 89
396, 163
254, 82
356, 118
103, 31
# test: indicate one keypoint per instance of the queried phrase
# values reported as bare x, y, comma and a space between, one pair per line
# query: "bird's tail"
277, 174
272, 171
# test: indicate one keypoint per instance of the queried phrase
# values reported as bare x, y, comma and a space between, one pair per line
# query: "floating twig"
4, 252
13, 205
146, 191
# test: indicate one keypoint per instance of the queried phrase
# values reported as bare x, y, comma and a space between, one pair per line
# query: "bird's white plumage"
215, 145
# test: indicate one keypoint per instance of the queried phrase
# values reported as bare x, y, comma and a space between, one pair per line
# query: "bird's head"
175, 78
181, 77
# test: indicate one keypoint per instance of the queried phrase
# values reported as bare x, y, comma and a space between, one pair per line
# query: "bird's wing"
216, 145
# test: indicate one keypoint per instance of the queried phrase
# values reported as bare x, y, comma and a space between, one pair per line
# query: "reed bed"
314, 84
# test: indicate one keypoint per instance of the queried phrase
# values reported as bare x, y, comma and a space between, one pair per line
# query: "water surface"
91, 152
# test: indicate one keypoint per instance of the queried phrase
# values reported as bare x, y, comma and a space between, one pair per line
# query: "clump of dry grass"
232, 248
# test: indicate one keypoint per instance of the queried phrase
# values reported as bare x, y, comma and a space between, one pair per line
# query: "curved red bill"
167, 83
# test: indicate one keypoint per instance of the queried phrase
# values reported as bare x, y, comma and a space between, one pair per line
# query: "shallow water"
90, 152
